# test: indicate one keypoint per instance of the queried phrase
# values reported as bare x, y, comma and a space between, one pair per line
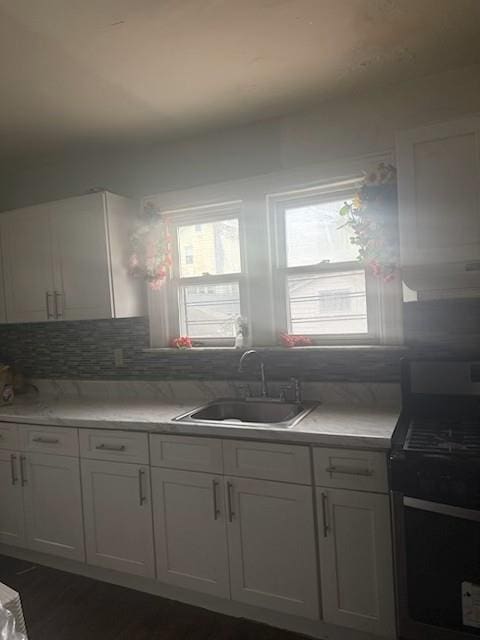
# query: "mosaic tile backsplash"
85, 350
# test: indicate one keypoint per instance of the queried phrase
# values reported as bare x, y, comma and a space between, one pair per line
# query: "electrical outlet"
118, 357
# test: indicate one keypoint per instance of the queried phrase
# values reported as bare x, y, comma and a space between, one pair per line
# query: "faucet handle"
297, 385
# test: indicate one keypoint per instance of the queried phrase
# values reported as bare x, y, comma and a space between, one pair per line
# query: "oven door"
437, 548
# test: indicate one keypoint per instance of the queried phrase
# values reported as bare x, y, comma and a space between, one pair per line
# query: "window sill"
319, 348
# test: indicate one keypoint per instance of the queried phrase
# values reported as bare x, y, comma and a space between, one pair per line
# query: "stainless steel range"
435, 479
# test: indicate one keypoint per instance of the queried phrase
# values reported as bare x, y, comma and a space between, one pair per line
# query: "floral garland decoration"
151, 248
372, 215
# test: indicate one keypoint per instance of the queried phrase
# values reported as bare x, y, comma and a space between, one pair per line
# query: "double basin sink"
251, 412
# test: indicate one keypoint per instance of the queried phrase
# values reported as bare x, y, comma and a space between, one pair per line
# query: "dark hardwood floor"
63, 606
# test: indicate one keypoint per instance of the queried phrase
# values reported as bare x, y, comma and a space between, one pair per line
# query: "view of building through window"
209, 310
323, 302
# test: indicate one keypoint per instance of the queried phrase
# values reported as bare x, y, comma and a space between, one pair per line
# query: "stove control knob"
397, 456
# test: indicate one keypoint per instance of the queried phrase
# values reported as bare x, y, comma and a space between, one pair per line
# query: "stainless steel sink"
251, 413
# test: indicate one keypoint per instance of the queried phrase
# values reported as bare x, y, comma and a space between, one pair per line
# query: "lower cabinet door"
12, 520
53, 504
356, 560
271, 543
190, 533
118, 516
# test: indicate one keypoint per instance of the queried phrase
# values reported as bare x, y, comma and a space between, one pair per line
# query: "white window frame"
167, 301
279, 205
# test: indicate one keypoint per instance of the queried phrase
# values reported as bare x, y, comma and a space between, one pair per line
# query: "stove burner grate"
445, 436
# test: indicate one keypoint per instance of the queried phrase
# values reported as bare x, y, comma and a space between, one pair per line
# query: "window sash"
282, 272
174, 311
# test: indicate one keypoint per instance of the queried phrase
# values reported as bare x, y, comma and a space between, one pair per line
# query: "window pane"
211, 247
209, 311
313, 235
327, 303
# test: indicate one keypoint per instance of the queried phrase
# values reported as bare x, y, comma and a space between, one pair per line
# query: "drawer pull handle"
111, 447
142, 498
13, 459
231, 512
46, 440
23, 479
350, 472
216, 510
324, 514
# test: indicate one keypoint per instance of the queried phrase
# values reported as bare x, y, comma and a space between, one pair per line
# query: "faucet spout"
246, 356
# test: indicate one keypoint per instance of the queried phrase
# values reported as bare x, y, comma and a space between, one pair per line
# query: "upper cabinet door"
439, 193
82, 283
28, 263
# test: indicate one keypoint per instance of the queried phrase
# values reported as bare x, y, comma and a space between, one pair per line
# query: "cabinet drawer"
60, 440
283, 462
9, 438
122, 446
350, 469
183, 452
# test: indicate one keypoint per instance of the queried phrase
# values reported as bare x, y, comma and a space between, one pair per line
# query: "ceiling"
77, 73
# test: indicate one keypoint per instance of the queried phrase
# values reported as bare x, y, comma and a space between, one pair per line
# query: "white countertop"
337, 425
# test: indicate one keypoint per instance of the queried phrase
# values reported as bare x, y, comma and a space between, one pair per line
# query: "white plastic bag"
8, 626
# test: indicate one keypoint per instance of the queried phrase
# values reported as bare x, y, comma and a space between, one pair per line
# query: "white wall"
352, 127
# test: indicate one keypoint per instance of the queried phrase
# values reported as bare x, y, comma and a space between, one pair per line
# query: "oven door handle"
442, 509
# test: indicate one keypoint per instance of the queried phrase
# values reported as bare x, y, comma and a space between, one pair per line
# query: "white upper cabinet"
439, 204
67, 260
28, 264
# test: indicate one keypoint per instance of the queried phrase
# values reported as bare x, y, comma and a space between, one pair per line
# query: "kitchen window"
322, 291
205, 295
279, 258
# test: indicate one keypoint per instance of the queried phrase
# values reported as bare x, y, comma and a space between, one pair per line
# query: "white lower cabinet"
356, 560
53, 504
12, 520
118, 516
40, 503
271, 541
190, 534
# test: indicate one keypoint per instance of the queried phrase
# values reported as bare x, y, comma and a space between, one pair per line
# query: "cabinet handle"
350, 472
216, 510
46, 440
231, 512
48, 295
56, 297
111, 447
23, 479
326, 528
142, 498
13, 459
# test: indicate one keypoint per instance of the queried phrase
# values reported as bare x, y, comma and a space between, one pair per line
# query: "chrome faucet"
246, 356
